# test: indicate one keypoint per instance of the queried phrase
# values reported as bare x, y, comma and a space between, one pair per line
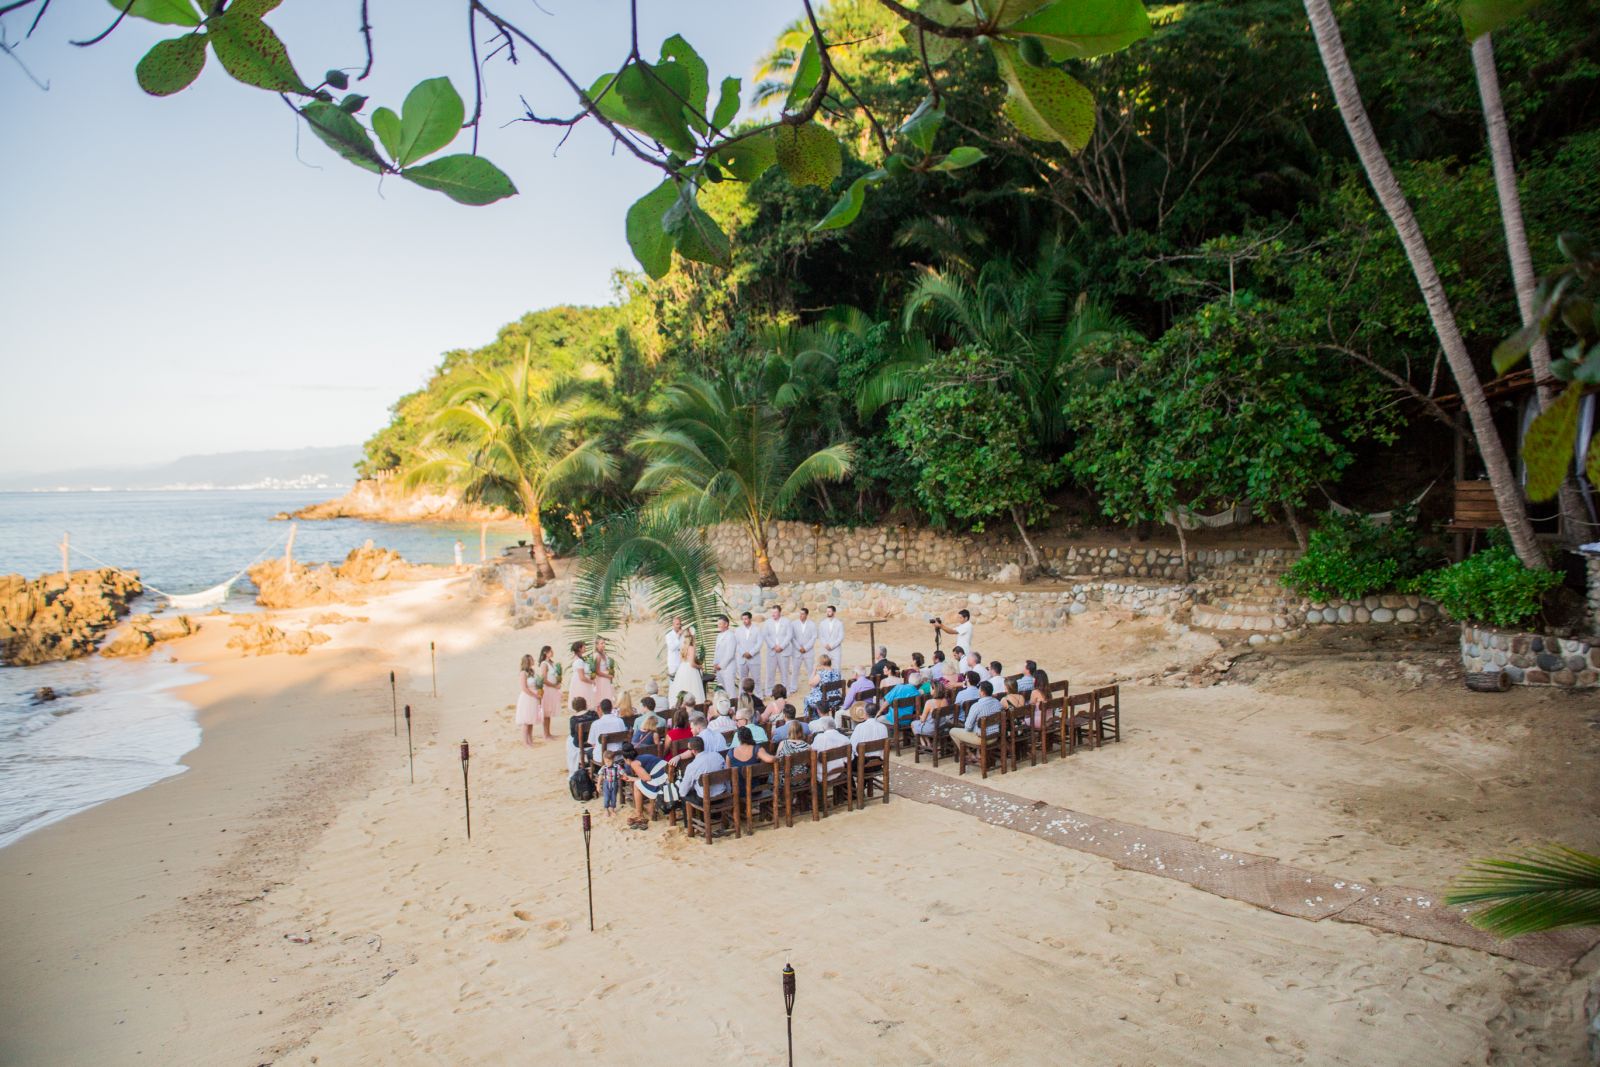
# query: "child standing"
610, 782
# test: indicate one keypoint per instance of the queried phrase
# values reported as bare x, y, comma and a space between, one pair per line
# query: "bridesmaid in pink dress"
579, 683
548, 673
604, 674
529, 708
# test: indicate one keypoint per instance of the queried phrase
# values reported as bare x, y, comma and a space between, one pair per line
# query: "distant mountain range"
296, 468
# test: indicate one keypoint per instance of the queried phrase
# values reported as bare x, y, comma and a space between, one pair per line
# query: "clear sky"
176, 279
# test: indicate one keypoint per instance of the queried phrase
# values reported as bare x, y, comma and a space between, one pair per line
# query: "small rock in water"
44, 694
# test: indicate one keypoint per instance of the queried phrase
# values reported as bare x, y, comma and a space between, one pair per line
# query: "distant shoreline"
386, 500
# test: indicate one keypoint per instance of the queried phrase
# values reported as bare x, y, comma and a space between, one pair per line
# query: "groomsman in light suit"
830, 635
747, 642
724, 657
779, 636
805, 647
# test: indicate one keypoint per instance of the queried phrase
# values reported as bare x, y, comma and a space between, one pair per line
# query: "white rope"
215, 594
1190, 519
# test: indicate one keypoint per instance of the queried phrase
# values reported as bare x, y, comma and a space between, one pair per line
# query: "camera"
935, 620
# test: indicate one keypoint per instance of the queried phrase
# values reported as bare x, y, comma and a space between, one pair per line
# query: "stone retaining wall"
1391, 607
1594, 603
798, 547
1029, 611
1532, 659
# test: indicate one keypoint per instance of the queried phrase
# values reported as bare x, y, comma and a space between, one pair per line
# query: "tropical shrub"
1350, 556
1491, 587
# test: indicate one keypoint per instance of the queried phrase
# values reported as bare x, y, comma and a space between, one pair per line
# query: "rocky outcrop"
387, 500
52, 618
265, 639
143, 632
305, 585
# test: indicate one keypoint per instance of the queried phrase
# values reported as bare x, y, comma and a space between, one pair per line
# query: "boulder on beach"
265, 639
143, 632
54, 618
302, 585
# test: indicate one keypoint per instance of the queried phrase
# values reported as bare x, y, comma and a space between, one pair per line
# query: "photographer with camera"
962, 629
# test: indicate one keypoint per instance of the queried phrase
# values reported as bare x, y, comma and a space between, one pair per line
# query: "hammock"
1378, 518
1189, 519
205, 598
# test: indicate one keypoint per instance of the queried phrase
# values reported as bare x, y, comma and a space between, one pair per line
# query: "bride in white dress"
688, 679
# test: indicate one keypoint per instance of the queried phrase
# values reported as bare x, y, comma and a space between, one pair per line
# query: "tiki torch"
394, 705
411, 757
433, 659
788, 1006
588, 868
466, 791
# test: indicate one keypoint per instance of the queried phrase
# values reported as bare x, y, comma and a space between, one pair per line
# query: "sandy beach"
293, 899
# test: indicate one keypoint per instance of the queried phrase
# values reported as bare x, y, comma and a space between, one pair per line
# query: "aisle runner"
1258, 880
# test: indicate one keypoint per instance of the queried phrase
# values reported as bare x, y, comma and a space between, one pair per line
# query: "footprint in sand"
509, 934
555, 932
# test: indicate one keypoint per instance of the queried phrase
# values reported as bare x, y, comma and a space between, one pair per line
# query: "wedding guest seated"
581, 717
648, 773
644, 729
702, 761
1008, 694
971, 691
919, 664
795, 744
788, 727
868, 727
927, 719
984, 705
1028, 681
882, 666
829, 739
974, 663
722, 721
742, 722
823, 674
747, 695
679, 730
711, 740
860, 687
774, 707
747, 750
997, 672
907, 688
609, 722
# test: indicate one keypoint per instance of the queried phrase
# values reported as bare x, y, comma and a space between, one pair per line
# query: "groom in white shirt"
674, 648
779, 637
805, 647
723, 656
747, 644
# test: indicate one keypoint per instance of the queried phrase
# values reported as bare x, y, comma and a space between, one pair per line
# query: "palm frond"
825, 465
672, 562
1544, 888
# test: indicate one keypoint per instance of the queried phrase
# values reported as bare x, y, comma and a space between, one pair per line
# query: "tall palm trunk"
1507, 493
531, 507
766, 577
1573, 518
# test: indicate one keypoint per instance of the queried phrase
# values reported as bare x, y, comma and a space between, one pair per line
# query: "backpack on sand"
581, 785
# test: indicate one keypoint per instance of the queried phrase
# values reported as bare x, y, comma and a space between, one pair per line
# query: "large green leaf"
696, 77
807, 71
809, 154
1544, 888
1082, 29
463, 178
647, 233
650, 101
172, 65
252, 53
937, 49
1479, 17
960, 158
429, 119
749, 157
337, 129
258, 8
922, 126
727, 103
1547, 447
386, 124
166, 12
697, 234
844, 212
1006, 12
1045, 103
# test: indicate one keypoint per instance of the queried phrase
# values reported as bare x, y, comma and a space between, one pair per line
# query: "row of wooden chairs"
768, 794
1066, 722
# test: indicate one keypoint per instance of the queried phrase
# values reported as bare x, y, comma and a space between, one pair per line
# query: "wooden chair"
871, 769
991, 743
1108, 713
833, 775
672, 748
1078, 715
1019, 734
902, 713
616, 737
710, 811
585, 749
1049, 732
938, 741
1059, 689
1014, 678
799, 784
759, 790
832, 697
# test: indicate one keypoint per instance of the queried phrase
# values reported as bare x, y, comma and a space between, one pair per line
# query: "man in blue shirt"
986, 704
704, 762
907, 688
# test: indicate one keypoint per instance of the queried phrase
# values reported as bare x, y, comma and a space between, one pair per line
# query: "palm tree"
510, 439
1507, 491
776, 72
713, 457
1544, 889
673, 562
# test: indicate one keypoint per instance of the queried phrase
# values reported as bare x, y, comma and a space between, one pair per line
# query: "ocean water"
117, 725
